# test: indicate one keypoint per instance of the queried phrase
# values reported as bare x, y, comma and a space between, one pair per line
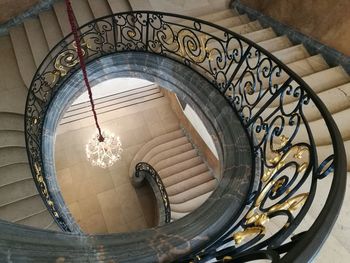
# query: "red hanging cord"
74, 27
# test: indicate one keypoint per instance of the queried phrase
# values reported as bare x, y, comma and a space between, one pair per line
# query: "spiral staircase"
27, 45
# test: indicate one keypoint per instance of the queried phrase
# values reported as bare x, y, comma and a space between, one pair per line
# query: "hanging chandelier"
104, 148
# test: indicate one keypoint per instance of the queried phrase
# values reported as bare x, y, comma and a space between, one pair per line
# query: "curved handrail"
146, 171
250, 78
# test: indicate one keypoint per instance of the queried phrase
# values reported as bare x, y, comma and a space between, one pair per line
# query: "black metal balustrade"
272, 103
146, 171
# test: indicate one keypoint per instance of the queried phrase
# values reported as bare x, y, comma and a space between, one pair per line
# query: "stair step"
17, 191
187, 161
222, 14
291, 54
169, 166
326, 79
54, 227
180, 210
177, 215
12, 138
50, 27
165, 146
190, 169
36, 39
118, 6
110, 108
275, 44
152, 144
23, 54
14, 173
62, 17
41, 220
100, 8
22, 209
170, 153
192, 193
261, 35
231, 21
82, 11
11, 121
325, 150
189, 183
11, 155
247, 28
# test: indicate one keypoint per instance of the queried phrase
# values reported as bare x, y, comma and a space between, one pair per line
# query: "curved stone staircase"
186, 177
27, 44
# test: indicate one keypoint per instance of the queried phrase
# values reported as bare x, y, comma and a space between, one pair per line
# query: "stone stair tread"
326, 79
176, 169
118, 6
50, 27
14, 173
17, 191
290, 54
40, 220
178, 163
54, 227
325, 150
62, 17
11, 155
22, 209
11, 138
189, 183
165, 146
221, 14
275, 44
11, 121
232, 21
261, 35
24, 56
191, 169
247, 28
177, 215
36, 39
99, 8
193, 192
82, 11
190, 205
170, 153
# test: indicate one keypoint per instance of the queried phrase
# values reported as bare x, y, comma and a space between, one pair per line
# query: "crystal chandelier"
104, 149
104, 154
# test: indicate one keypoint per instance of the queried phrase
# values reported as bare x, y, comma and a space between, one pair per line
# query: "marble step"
325, 150
192, 193
172, 156
194, 168
118, 6
14, 173
24, 56
165, 146
12, 155
179, 162
12, 138
17, 191
62, 17
219, 15
180, 210
36, 39
177, 168
42, 219
189, 183
22, 209
100, 8
11, 121
82, 11
152, 144
50, 27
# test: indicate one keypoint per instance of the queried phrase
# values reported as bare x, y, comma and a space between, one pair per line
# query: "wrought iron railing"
146, 171
272, 103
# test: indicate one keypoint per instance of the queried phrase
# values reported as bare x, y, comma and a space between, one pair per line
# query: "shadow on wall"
324, 20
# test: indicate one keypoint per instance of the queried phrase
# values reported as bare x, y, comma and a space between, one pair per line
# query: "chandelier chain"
74, 26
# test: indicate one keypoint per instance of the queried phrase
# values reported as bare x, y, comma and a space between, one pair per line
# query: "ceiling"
12, 8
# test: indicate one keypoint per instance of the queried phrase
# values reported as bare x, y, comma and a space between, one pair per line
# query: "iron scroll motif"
150, 171
274, 106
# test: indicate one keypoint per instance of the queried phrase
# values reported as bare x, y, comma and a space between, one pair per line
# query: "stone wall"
324, 20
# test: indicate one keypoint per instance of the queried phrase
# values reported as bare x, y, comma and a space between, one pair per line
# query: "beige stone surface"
11, 8
103, 200
325, 20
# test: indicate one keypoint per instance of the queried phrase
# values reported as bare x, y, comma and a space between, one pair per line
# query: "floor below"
103, 200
